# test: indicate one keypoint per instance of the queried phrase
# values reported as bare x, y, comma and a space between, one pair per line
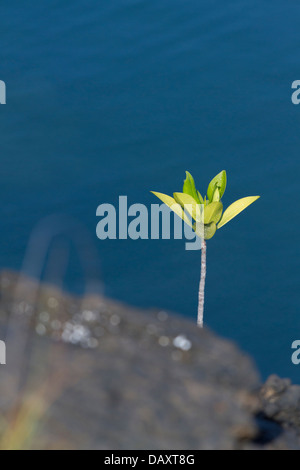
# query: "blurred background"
120, 98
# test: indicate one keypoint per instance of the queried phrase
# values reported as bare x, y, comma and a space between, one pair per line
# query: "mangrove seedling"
204, 216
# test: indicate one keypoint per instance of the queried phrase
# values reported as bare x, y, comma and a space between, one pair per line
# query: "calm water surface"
121, 97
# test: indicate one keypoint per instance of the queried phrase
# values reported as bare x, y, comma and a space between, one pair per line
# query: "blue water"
107, 98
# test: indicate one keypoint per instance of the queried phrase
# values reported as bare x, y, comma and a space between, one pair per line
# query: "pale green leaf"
173, 205
235, 208
189, 204
213, 212
219, 182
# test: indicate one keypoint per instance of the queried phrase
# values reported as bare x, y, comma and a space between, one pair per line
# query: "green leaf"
216, 196
209, 230
189, 204
190, 188
235, 208
213, 212
173, 205
205, 231
219, 182
200, 198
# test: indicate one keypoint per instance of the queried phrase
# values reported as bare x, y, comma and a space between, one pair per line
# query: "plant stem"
202, 285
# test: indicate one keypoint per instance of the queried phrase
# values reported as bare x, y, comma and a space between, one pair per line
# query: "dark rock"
281, 402
95, 374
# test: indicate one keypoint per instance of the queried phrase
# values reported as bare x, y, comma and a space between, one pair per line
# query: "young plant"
204, 216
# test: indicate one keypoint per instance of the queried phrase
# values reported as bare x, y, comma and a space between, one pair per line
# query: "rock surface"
281, 402
95, 374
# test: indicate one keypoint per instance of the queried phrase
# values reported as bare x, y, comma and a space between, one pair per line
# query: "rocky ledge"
91, 373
